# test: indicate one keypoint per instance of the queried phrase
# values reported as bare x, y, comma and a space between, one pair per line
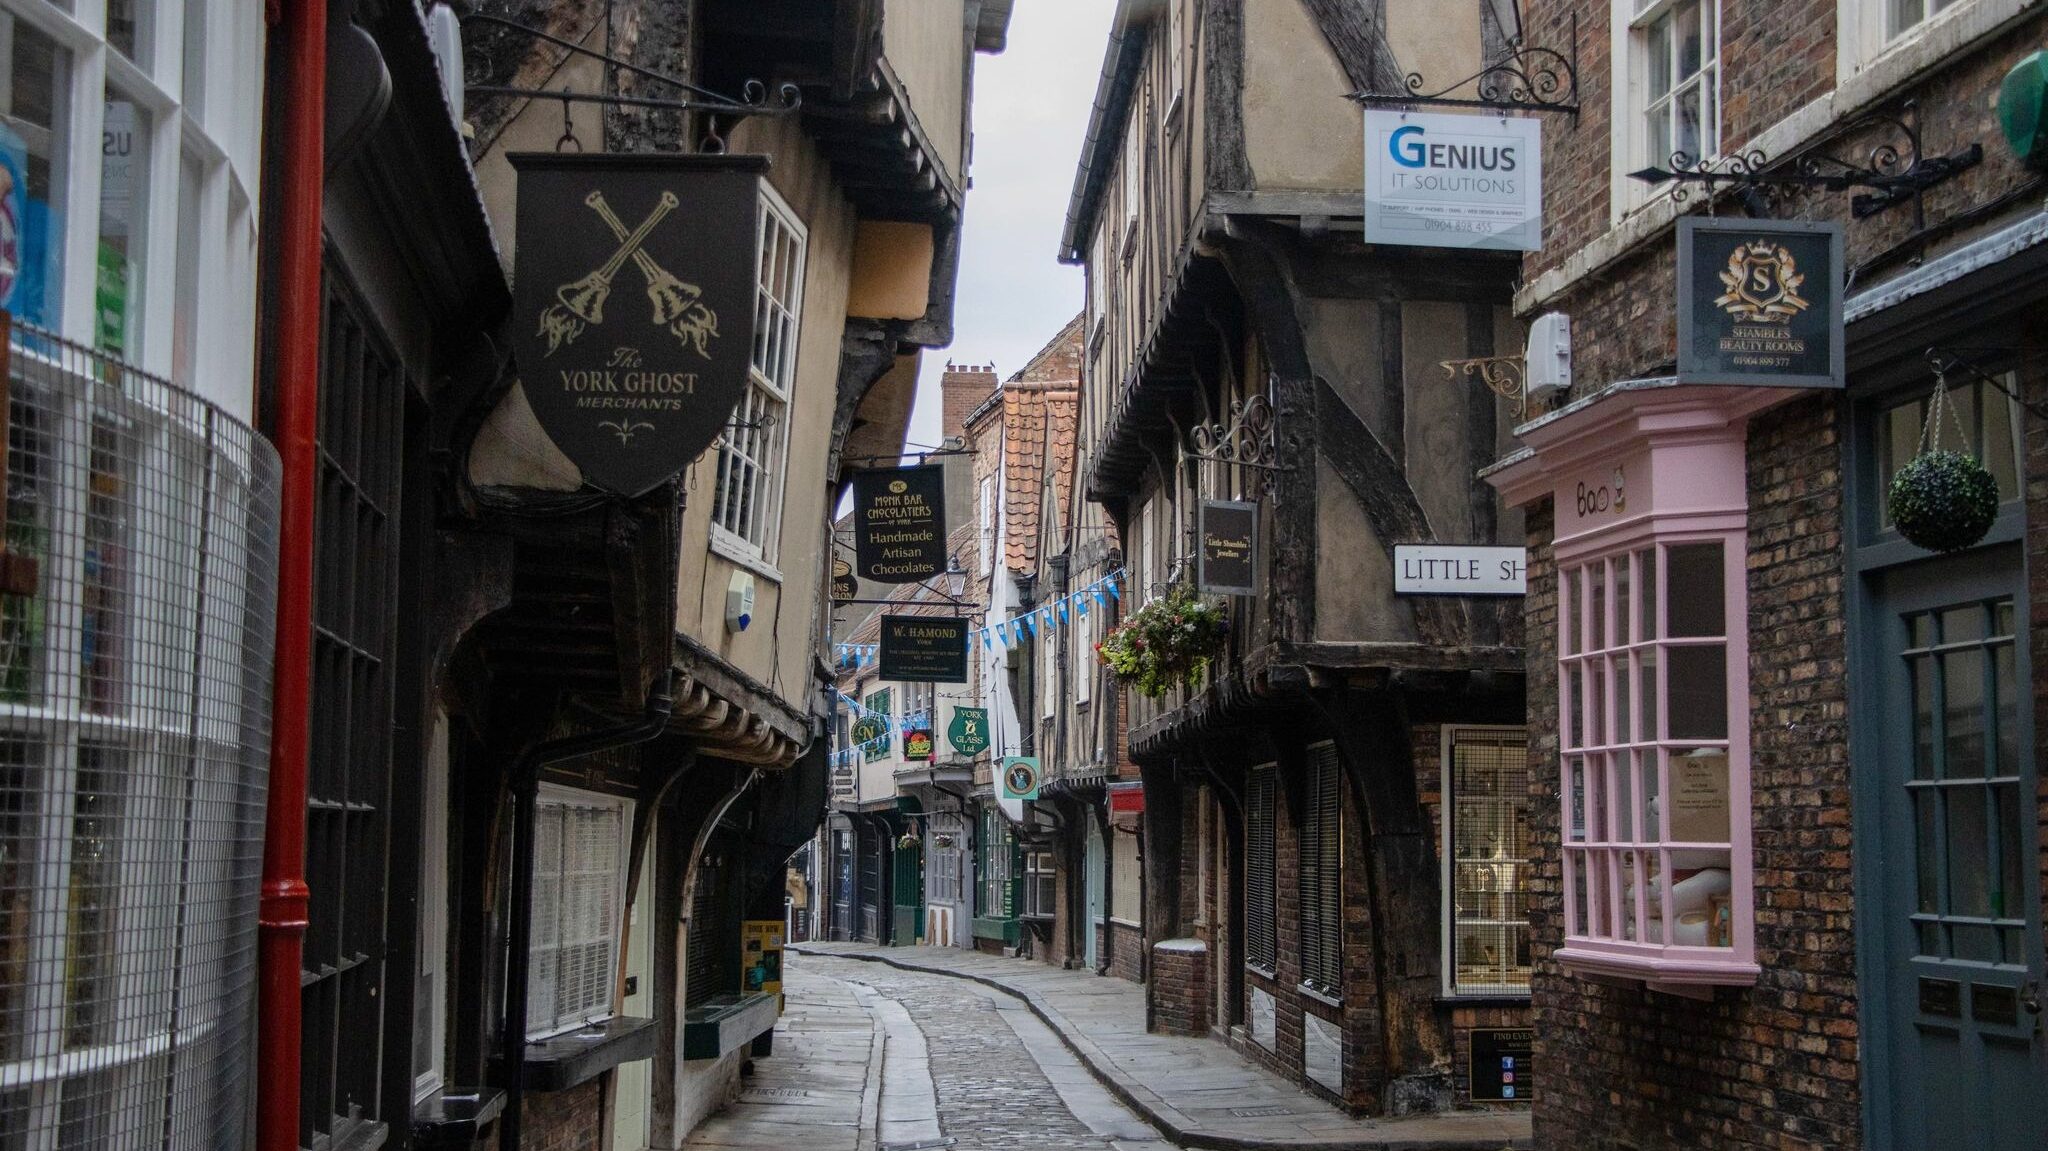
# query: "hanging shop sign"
1126, 798
923, 649
968, 732
634, 305
1503, 1064
1435, 180
899, 523
1227, 563
1020, 777
917, 744
1760, 302
871, 734
1455, 569
844, 586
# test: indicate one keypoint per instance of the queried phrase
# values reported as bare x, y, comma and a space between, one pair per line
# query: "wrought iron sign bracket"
1894, 171
1529, 78
1245, 442
753, 99
1504, 376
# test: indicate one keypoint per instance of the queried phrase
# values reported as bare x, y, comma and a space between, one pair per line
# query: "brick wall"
572, 1120
962, 388
1125, 947
1773, 1066
1178, 995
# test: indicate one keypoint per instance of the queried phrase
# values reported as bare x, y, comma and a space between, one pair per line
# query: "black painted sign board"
1227, 563
633, 305
1760, 302
923, 649
899, 523
1502, 1067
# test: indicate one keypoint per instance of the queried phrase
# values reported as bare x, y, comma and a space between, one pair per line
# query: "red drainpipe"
299, 112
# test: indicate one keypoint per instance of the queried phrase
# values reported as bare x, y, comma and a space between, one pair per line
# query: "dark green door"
1959, 929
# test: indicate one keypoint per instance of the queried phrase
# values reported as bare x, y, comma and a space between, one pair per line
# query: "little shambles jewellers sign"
899, 523
1227, 563
1760, 303
923, 649
634, 305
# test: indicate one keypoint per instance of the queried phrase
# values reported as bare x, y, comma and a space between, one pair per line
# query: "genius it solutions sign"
1441, 181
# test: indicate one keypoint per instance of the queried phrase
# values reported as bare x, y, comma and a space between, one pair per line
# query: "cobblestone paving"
992, 1095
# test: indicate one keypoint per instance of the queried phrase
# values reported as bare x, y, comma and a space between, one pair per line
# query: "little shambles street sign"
1227, 563
1760, 302
634, 305
899, 523
923, 649
1436, 569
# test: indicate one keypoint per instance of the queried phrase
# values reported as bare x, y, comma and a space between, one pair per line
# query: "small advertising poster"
761, 956
1227, 563
1760, 302
923, 649
968, 732
917, 744
633, 317
1436, 180
899, 523
1503, 1065
1020, 777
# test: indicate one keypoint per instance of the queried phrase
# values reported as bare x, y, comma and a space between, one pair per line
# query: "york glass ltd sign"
633, 305
1442, 181
1760, 302
899, 523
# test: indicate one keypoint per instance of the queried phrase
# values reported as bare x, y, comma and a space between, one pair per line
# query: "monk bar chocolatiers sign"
923, 649
1227, 562
633, 290
1760, 303
899, 523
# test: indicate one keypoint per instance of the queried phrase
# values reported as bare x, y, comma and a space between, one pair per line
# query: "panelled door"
1959, 922
1092, 873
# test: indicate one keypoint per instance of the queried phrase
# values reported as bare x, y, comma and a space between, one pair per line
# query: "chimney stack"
963, 388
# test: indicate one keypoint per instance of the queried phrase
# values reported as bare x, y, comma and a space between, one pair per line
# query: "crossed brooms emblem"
678, 306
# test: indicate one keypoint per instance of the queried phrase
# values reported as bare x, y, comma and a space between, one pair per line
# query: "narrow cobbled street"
959, 1066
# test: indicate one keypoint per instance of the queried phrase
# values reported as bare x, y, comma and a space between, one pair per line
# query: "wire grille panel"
137, 591
1490, 860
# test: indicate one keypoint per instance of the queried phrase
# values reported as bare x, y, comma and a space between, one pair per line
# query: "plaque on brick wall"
1760, 302
1502, 1064
633, 311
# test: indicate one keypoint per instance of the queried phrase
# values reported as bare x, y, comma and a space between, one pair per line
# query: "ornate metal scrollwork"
1529, 78
1502, 375
1247, 441
1894, 170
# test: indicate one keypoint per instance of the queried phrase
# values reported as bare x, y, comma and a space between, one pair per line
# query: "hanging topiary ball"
1943, 501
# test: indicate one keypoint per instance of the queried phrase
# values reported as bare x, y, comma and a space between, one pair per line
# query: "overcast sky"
1030, 111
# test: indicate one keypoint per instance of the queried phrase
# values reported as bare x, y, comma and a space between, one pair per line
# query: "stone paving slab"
816, 1093
1176, 1082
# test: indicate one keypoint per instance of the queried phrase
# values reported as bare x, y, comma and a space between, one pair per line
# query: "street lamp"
956, 577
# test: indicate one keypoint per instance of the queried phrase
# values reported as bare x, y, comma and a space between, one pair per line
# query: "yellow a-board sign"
761, 956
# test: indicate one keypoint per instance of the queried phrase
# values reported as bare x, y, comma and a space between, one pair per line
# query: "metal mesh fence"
137, 589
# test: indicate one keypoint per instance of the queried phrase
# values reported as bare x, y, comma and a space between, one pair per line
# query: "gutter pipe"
281, 914
525, 798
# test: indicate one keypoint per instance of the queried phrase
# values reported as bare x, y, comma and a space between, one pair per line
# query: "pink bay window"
1649, 493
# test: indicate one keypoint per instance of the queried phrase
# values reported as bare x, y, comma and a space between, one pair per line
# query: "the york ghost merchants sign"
1760, 302
899, 523
1227, 563
634, 305
923, 649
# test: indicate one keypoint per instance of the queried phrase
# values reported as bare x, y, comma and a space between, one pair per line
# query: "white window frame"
1040, 868
756, 540
1084, 651
1629, 137
1048, 662
985, 525
221, 132
556, 796
431, 1009
1516, 879
1126, 879
1865, 30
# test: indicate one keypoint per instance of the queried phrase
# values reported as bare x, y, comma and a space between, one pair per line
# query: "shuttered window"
579, 882
1322, 872
1261, 948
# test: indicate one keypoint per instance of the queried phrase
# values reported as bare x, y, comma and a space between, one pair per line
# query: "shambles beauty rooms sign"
634, 305
923, 649
1760, 302
1441, 181
899, 523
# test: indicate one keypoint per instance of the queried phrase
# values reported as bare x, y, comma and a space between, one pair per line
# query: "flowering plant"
1165, 644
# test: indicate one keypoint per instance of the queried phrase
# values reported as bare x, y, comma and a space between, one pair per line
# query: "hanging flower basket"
908, 842
1943, 501
1166, 644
